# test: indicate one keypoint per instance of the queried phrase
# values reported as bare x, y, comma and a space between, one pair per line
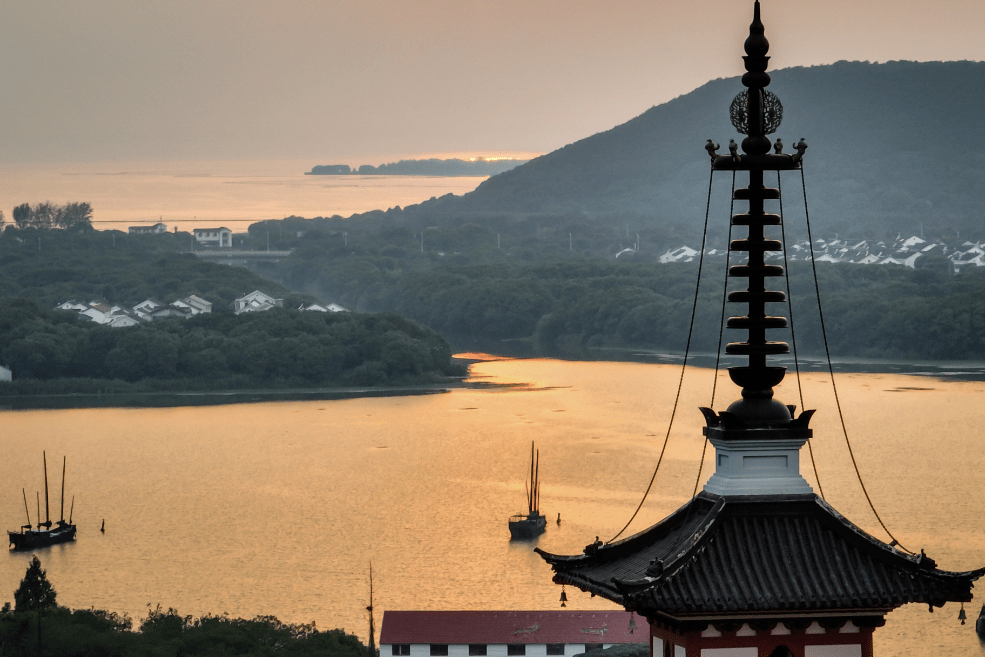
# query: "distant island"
433, 167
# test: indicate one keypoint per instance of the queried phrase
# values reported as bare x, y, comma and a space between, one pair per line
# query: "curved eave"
754, 555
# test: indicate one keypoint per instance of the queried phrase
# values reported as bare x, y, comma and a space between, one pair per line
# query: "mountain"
894, 147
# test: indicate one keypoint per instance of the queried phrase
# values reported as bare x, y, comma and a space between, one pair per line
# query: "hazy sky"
358, 81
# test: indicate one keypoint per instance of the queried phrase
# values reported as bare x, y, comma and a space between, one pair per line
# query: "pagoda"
758, 565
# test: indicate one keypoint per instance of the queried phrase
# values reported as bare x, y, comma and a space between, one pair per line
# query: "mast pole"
64, 460
530, 497
371, 648
72, 511
24, 493
47, 511
537, 485
38, 495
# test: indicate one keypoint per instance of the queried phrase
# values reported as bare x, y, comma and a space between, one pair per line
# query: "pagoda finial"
756, 79
756, 112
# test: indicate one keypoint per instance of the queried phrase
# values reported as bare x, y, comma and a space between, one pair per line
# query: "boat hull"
530, 526
33, 538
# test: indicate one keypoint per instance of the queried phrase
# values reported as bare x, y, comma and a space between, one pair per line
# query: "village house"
148, 230
255, 302
680, 254
122, 321
195, 304
214, 237
507, 633
905, 252
318, 308
145, 311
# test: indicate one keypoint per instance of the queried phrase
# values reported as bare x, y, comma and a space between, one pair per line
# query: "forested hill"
893, 147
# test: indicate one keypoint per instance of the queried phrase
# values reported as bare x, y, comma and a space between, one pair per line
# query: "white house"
318, 308
144, 308
216, 237
507, 633
911, 242
195, 304
122, 321
680, 254
100, 312
170, 310
254, 302
72, 305
148, 230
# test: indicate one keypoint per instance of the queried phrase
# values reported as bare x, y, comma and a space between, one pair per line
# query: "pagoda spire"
756, 113
756, 563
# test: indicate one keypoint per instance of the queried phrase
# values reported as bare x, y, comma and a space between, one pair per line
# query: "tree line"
38, 625
51, 351
53, 266
45, 215
568, 305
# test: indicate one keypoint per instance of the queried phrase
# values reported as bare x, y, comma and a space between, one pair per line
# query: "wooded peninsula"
431, 167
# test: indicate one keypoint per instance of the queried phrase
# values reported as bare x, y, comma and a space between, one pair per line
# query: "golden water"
279, 508
190, 195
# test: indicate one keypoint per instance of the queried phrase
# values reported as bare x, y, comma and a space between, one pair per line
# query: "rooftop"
753, 555
505, 627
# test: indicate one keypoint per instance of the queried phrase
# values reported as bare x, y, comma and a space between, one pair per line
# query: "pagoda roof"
757, 555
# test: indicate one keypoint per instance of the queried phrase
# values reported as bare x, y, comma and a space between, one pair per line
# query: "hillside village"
149, 310
901, 251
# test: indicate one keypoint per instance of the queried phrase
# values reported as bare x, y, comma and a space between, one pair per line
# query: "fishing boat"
44, 535
532, 523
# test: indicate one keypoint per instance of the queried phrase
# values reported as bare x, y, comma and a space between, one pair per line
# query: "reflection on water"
278, 508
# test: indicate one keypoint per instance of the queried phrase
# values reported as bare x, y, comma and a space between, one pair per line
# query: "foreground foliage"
89, 632
35, 591
38, 626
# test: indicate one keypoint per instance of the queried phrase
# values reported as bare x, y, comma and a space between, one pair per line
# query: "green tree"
76, 216
35, 592
22, 215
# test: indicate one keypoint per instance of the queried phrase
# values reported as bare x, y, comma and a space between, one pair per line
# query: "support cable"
687, 350
721, 333
793, 338
827, 353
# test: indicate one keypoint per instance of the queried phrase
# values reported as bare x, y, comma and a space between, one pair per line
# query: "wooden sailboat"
28, 537
531, 524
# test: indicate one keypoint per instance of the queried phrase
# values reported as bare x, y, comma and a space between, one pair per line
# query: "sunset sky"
363, 81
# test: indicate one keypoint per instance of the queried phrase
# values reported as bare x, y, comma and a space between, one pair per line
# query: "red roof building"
506, 633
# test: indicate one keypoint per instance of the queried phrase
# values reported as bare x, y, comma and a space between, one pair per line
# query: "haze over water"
201, 194
278, 508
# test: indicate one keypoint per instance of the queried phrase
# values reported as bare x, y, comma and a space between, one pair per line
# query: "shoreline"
76, 400
948, 371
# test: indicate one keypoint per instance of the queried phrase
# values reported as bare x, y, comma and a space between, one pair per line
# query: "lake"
279, 508
198, 194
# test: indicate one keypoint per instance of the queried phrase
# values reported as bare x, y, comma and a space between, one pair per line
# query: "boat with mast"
44, 535
532, 523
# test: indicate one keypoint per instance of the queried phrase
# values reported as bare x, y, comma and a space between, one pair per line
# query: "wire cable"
827, 353
721, 332
687, 350
793, 337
